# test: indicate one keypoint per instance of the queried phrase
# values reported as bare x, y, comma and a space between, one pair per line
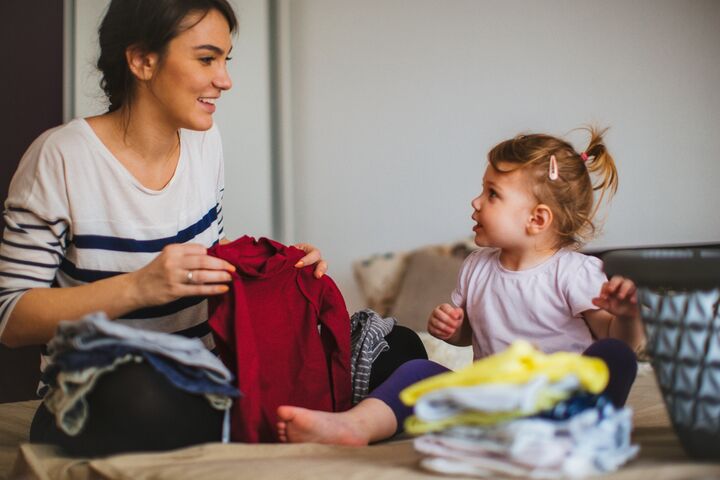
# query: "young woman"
115, 213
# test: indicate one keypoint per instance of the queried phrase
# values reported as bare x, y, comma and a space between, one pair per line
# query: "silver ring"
190, 276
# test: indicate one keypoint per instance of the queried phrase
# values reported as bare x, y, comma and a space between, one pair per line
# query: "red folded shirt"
283, 333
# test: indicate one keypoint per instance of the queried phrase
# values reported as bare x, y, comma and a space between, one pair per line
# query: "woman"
117, 211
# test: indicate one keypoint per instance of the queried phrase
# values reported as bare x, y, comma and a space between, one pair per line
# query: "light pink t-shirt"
542, 304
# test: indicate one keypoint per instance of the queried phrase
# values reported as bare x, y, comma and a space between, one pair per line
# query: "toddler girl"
536, 208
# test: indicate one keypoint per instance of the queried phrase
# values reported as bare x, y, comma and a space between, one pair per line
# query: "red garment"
266, 330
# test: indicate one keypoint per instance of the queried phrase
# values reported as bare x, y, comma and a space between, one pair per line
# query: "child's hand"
444, 321
619, 297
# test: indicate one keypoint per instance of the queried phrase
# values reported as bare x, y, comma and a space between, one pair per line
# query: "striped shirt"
75, 214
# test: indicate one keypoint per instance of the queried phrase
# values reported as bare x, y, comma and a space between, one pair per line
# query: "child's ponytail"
601, 165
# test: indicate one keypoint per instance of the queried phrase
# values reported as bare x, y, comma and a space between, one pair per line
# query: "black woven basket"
679, 291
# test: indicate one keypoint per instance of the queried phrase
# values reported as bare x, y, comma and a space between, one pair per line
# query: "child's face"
502, 212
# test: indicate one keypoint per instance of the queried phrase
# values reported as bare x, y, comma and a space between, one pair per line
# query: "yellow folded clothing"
519, 363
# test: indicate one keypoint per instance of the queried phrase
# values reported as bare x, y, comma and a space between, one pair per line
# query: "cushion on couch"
408, 285
430, 277
379, 279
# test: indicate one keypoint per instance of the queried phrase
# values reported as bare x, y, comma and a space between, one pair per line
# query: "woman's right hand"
181, 270
445, 320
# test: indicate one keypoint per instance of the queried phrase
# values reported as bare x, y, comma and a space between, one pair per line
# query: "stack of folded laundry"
521, 413
82, 351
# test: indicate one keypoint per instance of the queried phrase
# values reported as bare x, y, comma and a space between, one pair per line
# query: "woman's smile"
208, 103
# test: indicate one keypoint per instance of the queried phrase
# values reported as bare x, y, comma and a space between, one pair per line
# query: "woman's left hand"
312, 257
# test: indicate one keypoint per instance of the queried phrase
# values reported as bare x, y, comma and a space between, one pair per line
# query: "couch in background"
408, 285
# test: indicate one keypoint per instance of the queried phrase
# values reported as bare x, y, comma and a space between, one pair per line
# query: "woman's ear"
540, 220
141, 63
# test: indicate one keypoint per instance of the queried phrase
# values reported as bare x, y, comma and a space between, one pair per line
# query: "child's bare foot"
299, 425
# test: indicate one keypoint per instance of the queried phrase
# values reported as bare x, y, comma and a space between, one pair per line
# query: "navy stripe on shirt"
24, 210
28, 262
25, 277
16, 230
164, 310
9, 290
84, 274
32, 247
118, 244
88, 276
34, 227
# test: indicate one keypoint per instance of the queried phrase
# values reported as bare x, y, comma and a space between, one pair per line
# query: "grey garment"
96, 330
367, 343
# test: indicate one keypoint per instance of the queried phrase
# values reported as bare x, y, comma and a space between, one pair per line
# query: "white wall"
395, 104
243, 113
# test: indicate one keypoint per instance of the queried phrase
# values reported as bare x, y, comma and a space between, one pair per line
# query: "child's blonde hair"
571, 195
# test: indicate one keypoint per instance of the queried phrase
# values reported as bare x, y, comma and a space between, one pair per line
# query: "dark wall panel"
31, 77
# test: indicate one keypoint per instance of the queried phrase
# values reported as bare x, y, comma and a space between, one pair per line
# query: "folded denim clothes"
83, 351
75, 360
96, 330
367, 340
189, 379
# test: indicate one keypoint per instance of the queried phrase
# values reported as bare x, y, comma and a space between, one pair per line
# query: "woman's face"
193, 73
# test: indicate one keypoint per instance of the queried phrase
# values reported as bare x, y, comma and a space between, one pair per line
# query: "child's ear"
141, 63
540, 220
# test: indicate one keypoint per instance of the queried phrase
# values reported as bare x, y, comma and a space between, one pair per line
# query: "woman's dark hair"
149, 25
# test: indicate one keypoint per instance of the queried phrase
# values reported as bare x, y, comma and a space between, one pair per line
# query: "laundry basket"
679, 291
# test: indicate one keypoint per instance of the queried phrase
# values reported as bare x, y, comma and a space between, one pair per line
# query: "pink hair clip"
553, 170
584, 156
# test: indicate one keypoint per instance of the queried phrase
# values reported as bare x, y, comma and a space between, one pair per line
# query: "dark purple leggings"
620, 359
